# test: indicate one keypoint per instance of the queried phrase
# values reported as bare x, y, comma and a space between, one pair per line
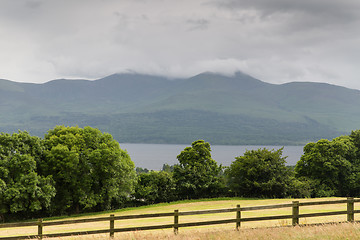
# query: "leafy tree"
355, 139
167, 168
259, 173
89, 168
328, 166
198, 175
141, 170
155, 187
22, 189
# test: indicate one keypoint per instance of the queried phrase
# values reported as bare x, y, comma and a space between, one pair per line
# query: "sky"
276, 41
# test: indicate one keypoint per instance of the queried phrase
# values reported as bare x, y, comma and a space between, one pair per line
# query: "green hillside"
150, 109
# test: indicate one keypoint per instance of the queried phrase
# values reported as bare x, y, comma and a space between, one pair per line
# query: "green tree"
259, 173
198, 175
355, 139
155, 187
89, 169
141, 170
22, 189
328, 166
167, 168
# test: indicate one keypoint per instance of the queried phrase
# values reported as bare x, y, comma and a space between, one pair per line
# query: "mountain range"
138, 108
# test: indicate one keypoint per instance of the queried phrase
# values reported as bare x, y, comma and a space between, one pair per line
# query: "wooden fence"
295, 216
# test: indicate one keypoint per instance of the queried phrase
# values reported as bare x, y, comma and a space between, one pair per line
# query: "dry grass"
330, 231
215, 231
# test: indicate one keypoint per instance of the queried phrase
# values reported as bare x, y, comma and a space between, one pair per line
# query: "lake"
153, 156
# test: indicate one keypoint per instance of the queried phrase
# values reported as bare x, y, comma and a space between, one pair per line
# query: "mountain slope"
221, 109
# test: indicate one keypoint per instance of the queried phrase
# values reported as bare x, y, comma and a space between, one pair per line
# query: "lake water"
153, 156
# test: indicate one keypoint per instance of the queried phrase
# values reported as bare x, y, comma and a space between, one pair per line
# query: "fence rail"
295, 216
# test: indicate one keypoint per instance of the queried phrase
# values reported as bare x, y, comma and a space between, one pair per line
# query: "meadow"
274, 229
344, 231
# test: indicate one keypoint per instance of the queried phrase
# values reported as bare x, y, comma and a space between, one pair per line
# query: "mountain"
221, 109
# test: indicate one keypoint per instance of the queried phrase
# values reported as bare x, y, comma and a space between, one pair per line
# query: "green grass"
152, 206
192, 205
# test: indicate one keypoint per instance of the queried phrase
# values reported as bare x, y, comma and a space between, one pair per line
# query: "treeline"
327, 168
73, 170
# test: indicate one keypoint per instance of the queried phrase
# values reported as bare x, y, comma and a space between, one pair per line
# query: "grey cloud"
274, 40
319, 12
198, 24
331, 7
33, 4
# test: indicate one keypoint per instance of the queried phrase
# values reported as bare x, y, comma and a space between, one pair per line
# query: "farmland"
226, 231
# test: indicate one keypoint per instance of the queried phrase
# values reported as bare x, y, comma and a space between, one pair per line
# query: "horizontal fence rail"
295, 216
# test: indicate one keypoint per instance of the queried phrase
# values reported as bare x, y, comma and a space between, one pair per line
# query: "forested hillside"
150, 109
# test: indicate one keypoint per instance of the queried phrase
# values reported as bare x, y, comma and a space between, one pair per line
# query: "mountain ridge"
141, 108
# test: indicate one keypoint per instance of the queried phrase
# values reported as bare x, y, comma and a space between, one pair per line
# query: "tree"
328, 165
167, 168
22, 189
89, 169
259, 173
198, 175
355, 139
141, 170
155, 187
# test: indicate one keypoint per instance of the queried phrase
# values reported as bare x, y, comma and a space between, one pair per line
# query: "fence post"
295, 213
350, 209
238, 217
176, 221
112, 225
40, 229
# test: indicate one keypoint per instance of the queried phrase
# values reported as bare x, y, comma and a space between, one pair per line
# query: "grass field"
346, 231
225, 231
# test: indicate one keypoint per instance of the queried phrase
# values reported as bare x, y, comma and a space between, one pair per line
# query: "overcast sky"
276, 41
